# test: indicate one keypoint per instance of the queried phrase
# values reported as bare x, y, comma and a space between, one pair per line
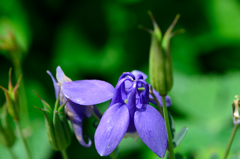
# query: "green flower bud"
12, 98
58, 131
160, 60
7, 136
13, 40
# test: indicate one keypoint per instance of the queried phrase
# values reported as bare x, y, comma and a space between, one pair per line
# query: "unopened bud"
12, 98
160, 60
57, 127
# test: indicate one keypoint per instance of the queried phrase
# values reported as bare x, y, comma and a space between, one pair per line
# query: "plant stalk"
230, 141
170, 143
12, 153
23, 140
64, 154
22, 95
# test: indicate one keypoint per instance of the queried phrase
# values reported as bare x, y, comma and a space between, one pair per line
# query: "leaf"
180, 135
172, 125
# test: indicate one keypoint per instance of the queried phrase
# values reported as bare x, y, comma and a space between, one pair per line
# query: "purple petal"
61, 78
111, 129
77, 128
119, 93
131, 105
88, 92
76, 113
168, 99
56, 87
136, 73
151, 129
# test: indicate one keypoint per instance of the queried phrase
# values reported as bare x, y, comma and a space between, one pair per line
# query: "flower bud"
160, 60
235, 106
12, 98
57, 127
7, 136
13, 40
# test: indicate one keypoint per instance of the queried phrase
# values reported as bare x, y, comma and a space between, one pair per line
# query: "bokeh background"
101, 40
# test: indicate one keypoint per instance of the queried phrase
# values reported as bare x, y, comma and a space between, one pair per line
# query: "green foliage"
100, 40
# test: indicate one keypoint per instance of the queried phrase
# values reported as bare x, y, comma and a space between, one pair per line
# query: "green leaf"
172, 125
180, 135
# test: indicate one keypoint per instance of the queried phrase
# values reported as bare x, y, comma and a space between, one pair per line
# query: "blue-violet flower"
82, 96
130, 113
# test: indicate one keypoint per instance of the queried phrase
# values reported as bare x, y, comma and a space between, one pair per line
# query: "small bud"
12, 98
7, 136
160, 60
13, 43
58, 130
236, 105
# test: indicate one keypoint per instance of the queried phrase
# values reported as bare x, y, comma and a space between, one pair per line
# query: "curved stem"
23, 140
158, 104
230, 141
64, 154
96, 113
170, 143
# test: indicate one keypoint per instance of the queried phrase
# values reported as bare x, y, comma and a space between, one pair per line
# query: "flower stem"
114, 154
64, 154
12, 153
96, 113
170, 143
230, 141
158, 104
23, 140
23, 100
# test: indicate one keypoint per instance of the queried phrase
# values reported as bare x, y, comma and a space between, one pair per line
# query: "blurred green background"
101, 40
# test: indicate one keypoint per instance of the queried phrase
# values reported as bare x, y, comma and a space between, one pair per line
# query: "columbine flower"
130, 113
82, 96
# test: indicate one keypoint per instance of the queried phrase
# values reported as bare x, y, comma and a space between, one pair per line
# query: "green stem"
97, 114
23, 140
230, 141
12, 153
158, 104
22, 95
114, 154
64, 154
170, 143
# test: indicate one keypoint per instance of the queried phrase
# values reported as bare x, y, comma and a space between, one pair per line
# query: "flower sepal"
58, 131
7, 136
12, 98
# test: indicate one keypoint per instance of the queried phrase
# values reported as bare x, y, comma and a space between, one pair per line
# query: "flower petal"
136, 73
151, 129
56, 87
88, 92
76, 113
61, 78
77, 128
111, 129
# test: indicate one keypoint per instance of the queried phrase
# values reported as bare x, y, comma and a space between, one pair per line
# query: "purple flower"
82, 96
129, 114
